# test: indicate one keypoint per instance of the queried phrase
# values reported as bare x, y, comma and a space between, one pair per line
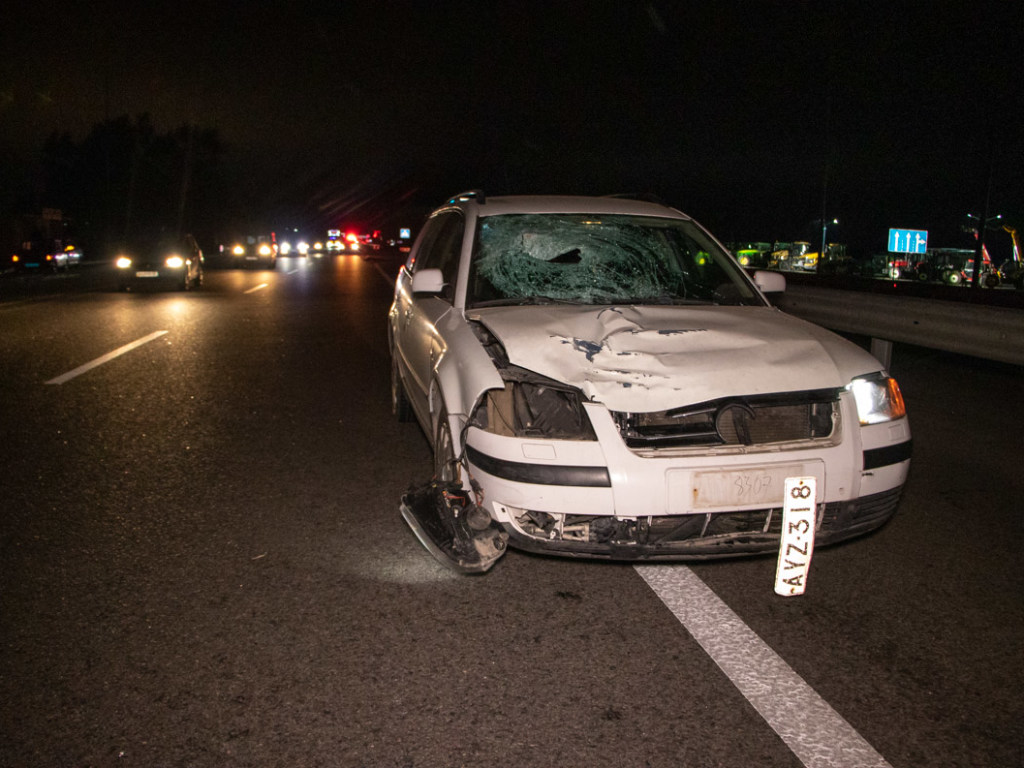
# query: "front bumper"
601, 499
152, 278
701, 537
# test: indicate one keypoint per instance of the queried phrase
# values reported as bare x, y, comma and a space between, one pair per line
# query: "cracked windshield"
612, 259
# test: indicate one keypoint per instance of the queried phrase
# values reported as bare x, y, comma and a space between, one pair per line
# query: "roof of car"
491, 206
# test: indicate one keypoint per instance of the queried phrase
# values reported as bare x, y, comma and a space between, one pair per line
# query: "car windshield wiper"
527, 301
664, 299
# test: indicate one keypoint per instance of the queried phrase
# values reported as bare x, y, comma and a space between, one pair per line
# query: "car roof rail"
473, 194
647, 197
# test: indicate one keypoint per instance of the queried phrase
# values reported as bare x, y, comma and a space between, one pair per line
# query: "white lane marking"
105, 358
387, 279
255, 288
817, 734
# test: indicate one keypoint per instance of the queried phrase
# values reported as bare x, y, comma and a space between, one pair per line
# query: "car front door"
418, 341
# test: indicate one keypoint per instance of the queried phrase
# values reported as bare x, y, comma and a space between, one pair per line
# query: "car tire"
445, 466
400, 405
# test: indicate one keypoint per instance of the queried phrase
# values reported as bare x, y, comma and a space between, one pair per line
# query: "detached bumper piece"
454, 530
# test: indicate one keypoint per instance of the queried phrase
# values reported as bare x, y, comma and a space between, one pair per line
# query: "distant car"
164, 261
46, 255
254, 251
600, 378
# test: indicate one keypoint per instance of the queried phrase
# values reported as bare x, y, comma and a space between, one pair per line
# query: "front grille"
747, 421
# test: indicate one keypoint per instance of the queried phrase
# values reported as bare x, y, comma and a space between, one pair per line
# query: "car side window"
443, 247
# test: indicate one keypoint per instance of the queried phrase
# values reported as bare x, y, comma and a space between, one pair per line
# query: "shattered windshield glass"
600, 259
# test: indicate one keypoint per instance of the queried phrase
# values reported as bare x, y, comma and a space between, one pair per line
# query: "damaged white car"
600, 378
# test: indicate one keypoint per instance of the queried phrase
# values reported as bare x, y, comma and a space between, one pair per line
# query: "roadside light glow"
878, 400
123, 262
238, 250
175, 262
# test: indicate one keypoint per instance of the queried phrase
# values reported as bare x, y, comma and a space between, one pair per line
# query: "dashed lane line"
105, 358
816, 733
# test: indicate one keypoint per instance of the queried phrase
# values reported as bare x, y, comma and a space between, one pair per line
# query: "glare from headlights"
265, 250
286, 248
238, 250
303, 247
123, 262
878, 399
175, 262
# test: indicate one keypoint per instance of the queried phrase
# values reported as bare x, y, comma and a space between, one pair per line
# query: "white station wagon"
600, 378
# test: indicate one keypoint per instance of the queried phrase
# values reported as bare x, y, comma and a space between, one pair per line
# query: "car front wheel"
400, 405
446, 468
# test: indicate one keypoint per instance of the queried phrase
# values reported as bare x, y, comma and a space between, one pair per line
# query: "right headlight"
878, 399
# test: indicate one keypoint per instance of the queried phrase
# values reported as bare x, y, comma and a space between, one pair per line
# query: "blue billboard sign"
908, 240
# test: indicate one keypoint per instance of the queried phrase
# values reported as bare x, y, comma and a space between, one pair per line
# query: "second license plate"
796, 545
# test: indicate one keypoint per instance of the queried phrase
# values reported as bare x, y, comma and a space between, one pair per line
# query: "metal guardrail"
991, 332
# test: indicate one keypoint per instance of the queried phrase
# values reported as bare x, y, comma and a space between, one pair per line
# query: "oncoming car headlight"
123, 262
535, 409
175, 262
238, 250
265, 250
878, 399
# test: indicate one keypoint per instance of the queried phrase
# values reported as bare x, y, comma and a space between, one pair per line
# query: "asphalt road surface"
203, 564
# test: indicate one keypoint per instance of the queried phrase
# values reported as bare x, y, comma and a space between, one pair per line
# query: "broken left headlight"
531, 407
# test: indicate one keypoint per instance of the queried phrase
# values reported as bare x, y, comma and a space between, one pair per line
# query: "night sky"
753, 117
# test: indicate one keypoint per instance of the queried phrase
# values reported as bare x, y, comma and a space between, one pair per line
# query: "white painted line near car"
255, 288
105, 358
817, 734
389, 279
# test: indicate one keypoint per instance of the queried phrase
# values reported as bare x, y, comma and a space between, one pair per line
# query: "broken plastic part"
458, 533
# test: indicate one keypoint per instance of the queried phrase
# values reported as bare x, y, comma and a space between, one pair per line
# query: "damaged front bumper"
688, 537
457, 532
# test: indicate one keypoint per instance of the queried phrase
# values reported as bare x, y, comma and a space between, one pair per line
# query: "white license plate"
147, 274
796, 545
762, 486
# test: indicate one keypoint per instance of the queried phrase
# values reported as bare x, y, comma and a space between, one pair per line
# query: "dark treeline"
125, 179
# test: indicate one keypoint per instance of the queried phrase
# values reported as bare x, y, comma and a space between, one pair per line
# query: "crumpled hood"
655, 358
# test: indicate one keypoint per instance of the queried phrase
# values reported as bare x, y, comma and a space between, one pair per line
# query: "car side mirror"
769, 282
427, 281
